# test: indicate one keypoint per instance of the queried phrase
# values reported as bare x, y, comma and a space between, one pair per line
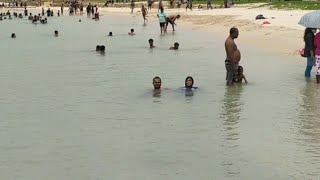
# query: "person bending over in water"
171, 19
241, 76
156, 83
131, 33
151, 44
175, 46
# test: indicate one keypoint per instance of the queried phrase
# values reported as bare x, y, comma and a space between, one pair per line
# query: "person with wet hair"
156, 83
110, 34
151, 44
189, 82
13, 35
56, 33
175, 46
131, 33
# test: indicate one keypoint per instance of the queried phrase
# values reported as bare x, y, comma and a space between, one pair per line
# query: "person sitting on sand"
240, 76
151, 44
175, 46
171, 19
131, 33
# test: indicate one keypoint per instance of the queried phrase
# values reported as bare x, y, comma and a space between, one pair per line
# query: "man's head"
132, 30
156, 82
178, 16
234, 32
110, 33
56, 33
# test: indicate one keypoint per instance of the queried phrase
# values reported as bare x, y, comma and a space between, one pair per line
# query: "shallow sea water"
67, 112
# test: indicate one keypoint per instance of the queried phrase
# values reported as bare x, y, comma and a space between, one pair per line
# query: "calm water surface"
69, 113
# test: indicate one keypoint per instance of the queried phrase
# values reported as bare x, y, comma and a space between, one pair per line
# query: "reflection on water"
156, 93
309, 128
230, 115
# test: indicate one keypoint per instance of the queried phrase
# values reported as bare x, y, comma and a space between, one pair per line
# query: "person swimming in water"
175, 46
110, 34
189, 83
151, 44
131, 33
13, 35
56, 33
156, 83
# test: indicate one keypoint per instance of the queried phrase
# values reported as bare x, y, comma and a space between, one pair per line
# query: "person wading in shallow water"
233, 56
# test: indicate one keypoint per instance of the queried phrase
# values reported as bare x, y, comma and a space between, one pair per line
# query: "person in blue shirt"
162, 19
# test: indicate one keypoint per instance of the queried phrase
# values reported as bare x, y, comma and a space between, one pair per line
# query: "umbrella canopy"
311, 20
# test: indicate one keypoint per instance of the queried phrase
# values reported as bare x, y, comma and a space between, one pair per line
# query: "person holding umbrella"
309, 50
311, 21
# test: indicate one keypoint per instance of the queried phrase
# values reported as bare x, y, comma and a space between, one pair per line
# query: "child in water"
240, 76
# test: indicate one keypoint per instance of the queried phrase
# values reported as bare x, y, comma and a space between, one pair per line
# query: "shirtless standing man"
233, 56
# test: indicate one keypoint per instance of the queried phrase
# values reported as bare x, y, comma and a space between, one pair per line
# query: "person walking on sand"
189, 5
160, 5
233, 56
149, 4
144, 13
162, 19
309, 49
132, 5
